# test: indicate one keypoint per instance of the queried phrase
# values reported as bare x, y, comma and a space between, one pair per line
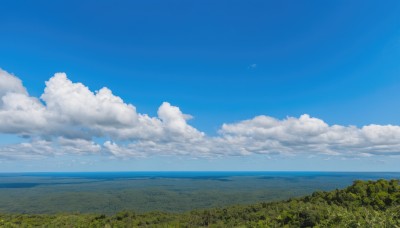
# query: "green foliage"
363, 204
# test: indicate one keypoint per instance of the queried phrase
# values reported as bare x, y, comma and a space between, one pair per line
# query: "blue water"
109, 192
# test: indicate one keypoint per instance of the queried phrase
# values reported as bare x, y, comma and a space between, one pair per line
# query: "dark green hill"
363, 204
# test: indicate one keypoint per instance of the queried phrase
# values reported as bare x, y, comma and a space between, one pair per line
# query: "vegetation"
167, 192
363, 204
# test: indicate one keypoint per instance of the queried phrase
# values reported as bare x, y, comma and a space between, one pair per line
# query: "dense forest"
363, 204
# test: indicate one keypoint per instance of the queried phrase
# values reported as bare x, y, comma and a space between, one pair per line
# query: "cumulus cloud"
10, 84
68, 117
174, 123
19, 113
97, 113
306, 134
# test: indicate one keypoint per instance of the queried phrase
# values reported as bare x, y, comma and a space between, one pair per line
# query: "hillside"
363, 204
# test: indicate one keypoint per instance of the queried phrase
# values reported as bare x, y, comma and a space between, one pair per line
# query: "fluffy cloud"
264, 134
71, 110
19, 113
10, 84
69, 116
96, 114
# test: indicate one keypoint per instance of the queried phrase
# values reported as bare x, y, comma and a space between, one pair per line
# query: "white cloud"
145, 148
69, 116
19, 113
103, 114
174, 124
264, 134
10, 84
38, 148
77, 146
32, 150
74, 103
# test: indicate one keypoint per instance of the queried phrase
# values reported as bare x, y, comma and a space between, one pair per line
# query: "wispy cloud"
252, 66
68, 117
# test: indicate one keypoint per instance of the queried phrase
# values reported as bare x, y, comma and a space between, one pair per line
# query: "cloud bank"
69, 118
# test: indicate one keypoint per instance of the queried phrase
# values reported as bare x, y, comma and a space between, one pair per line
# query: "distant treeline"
363, 204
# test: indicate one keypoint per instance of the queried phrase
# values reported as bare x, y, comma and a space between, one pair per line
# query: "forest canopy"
363, 204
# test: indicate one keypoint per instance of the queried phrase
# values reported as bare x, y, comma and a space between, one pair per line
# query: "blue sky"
222, 62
